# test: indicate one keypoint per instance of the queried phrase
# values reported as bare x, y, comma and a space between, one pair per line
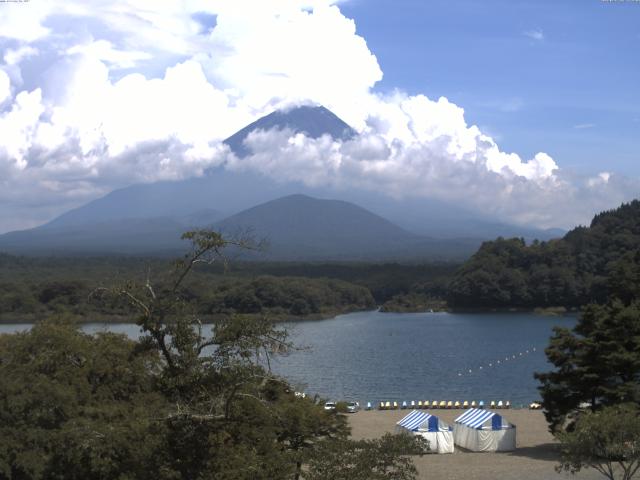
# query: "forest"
580, 268
35, 287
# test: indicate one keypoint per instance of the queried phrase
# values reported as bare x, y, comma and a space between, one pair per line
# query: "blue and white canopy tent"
484, 431
430, 427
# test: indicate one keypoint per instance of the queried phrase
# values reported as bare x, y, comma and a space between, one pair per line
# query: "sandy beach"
534, 459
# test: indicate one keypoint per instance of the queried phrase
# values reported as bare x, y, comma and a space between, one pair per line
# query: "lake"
374, 356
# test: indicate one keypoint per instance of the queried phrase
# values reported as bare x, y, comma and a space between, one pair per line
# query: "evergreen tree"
598, 363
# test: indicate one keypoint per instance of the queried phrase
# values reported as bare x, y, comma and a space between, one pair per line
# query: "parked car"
330, 406
353, 407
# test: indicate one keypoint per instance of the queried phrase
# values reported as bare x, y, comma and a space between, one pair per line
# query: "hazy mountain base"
296, 227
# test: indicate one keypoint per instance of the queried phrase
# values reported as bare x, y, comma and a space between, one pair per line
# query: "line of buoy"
499, 362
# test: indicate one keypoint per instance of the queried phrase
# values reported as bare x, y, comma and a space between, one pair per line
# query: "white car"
330, 406
353, 407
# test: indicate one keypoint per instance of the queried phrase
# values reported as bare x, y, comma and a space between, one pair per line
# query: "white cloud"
5, 86
15, 56
583, 126
537, 194
19, 21
118, 92
536, 34
103, 50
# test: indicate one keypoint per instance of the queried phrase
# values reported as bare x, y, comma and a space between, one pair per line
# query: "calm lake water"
373, 356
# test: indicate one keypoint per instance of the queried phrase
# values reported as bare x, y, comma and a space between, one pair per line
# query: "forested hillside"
580, 268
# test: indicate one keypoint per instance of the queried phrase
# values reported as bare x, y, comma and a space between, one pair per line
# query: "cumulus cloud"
471, 172
101, 95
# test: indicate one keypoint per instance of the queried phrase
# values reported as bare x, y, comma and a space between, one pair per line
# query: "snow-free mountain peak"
313, 121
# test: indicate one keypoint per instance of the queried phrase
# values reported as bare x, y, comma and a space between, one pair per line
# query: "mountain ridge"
224, 193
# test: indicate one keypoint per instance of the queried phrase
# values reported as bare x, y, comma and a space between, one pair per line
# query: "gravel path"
534, 459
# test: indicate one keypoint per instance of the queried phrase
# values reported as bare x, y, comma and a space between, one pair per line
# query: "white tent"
484, 431
437, 433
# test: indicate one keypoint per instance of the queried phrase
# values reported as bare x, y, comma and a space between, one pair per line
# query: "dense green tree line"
384, 280
289, 297
570, 272
279, 297
32, 287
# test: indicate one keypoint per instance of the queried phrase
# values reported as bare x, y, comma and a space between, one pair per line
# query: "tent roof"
476, 418
415, 419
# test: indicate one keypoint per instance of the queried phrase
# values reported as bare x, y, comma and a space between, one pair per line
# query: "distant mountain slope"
123, 236
313, 121
133, 236
299, 227
572, 271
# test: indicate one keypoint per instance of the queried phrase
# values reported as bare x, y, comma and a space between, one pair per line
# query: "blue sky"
563, 75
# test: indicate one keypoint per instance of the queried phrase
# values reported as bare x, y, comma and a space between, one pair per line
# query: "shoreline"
543, 311
30, 319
